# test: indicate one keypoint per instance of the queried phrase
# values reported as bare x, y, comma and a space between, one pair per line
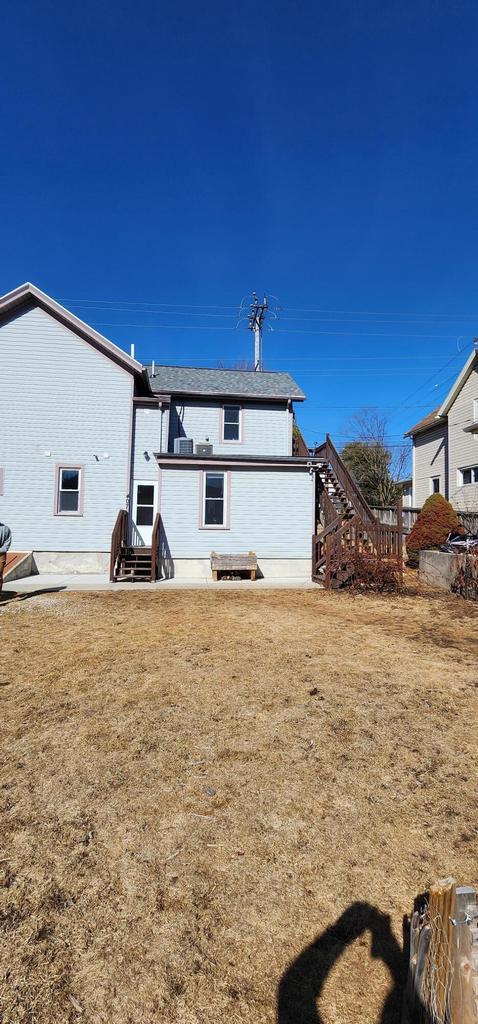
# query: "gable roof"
432, 419
201, 381
439, 415
27, 295
458, 384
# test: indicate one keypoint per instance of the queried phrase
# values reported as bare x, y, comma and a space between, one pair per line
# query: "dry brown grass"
195, 785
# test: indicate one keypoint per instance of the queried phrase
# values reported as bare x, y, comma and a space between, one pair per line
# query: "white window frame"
475, 410
231, 405
226, 522
474, 473
59, 489
432, 481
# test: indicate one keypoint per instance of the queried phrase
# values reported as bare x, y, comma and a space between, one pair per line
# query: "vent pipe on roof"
152, 368
132, 349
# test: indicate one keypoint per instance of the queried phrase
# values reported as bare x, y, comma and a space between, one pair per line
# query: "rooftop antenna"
256, 321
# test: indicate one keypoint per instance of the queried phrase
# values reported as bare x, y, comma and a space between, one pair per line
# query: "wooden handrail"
119, 539
155, 548
328, 451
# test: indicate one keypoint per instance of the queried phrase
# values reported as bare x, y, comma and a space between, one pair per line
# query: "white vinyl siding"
430, 460
147, 431
265, 427
61, 403
270, 513
463, 445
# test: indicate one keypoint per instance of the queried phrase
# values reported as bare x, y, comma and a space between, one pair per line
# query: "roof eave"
437, 422
458, 384
236, 396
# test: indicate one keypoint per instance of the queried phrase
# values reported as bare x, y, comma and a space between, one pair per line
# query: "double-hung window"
434, 484
469, 475
231, 422
69, 490
214, 512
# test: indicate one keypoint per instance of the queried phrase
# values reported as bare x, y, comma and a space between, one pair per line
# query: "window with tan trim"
232, 422
69, 491
214, 512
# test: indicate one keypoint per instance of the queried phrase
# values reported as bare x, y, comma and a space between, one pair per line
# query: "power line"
363, 334
328, 334
287, 309
169, 305
383, 312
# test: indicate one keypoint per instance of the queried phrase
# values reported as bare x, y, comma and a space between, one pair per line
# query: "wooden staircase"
134, 564
345, 523
130, 563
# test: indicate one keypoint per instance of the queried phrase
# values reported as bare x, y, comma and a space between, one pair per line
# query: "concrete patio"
99, 581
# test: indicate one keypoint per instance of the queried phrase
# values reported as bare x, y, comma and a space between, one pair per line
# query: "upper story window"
434, 484
69, 491
468, 475
231, 423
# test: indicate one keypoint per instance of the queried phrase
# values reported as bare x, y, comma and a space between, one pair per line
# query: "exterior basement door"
144, 509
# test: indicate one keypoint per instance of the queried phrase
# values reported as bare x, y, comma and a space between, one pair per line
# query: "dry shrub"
374, 574
466, 579
435, 521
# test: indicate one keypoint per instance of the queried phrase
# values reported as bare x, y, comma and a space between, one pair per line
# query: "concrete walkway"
97, 582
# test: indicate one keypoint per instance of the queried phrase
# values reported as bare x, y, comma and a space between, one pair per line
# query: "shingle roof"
428, 421
195, 380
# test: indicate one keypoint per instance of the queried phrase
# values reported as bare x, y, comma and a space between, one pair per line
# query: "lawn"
217, 807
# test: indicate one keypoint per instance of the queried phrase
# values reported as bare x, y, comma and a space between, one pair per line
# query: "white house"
87, 431
445, 445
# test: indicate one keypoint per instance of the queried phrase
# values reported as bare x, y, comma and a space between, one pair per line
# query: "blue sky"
162, 161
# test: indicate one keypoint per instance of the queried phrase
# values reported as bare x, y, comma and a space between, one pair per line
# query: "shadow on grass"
19, 595
302, 983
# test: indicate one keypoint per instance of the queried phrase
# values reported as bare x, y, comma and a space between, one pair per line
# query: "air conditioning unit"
204, 449
183, 446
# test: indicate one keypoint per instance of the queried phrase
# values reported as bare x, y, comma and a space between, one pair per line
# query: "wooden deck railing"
119, 539
155, 548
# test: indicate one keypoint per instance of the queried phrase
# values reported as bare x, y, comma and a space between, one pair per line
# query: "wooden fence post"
463, 1009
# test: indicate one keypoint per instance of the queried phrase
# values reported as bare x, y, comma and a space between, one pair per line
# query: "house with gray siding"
445, 445
89, 436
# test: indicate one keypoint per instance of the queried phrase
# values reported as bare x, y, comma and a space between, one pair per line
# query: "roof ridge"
219, 369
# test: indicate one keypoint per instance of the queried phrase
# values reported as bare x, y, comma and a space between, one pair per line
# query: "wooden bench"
232, 564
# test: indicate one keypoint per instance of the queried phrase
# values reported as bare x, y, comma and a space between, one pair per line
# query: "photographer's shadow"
302, 983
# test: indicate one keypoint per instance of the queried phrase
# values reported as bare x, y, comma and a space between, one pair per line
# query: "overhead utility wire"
171, 311
170, 305
328, 334
285, 309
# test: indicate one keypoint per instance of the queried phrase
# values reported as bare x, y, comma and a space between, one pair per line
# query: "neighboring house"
86, 431
407, 490
445, 445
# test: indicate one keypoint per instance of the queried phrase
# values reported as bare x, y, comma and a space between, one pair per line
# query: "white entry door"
144, 511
